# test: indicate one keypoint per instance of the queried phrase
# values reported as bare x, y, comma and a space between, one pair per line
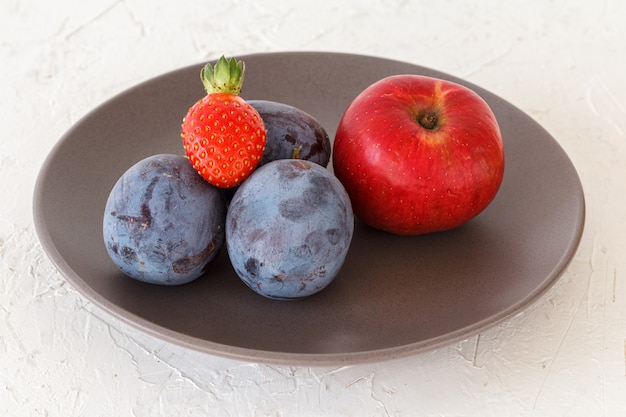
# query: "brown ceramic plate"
395, 296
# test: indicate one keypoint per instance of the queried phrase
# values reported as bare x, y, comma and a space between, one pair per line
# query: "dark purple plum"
292, 133
288, 229
163, 223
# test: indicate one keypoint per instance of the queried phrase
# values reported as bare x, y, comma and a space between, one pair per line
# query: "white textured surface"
561, 62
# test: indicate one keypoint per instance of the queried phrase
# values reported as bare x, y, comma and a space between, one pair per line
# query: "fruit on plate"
223, 136
292, 133
163, 223
288, 229
418, 154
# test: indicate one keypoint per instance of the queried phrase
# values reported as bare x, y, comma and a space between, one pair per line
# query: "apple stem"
428, 120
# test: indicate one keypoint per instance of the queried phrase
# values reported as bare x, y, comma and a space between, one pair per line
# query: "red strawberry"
224, 137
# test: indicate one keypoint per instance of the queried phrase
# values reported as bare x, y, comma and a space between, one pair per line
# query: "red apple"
418, 154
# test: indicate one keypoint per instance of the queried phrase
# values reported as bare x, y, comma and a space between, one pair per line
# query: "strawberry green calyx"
225, 77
